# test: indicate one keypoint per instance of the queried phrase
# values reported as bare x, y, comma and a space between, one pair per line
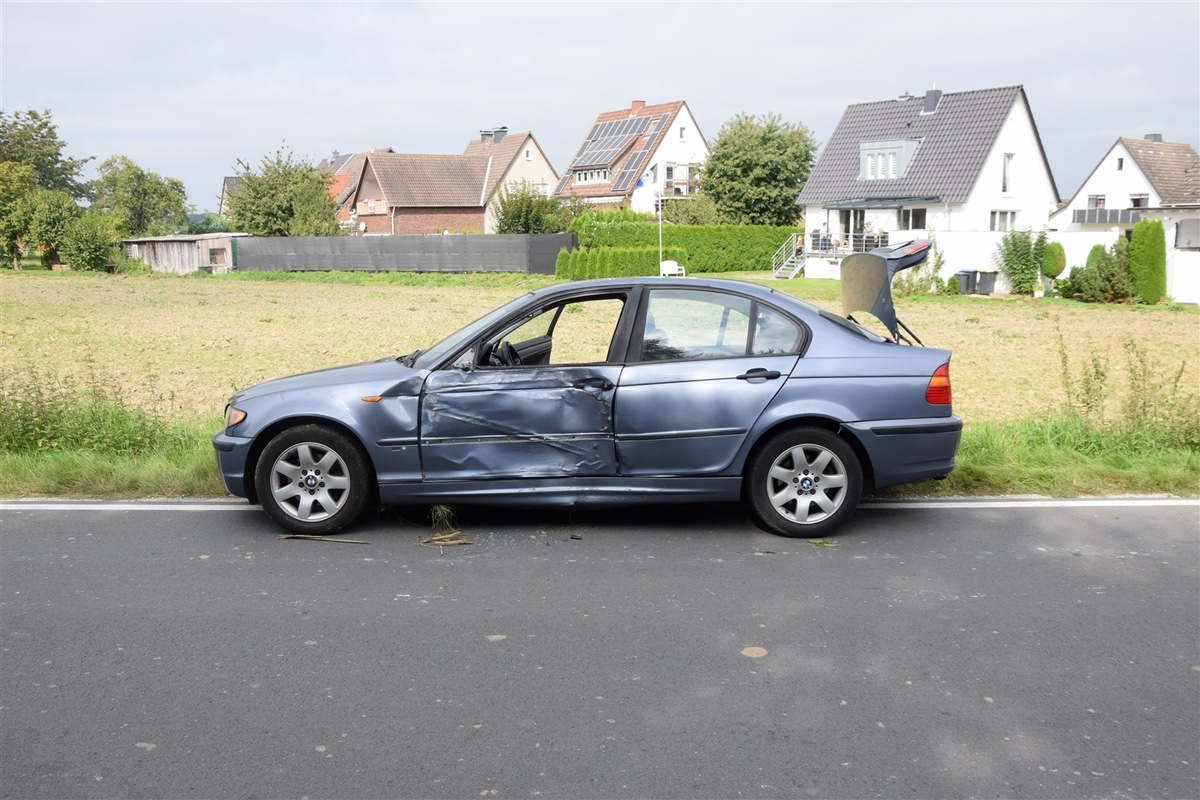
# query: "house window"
1004, 220
682, 130
593, 176
1120, 164
1006, 178
669, 174
885, 160
1139, 200
528, 155
216, 257
912, 219
1095, 201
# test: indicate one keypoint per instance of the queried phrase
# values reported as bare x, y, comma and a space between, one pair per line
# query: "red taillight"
938, 391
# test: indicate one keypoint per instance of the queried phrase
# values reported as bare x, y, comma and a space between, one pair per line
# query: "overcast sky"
186, 89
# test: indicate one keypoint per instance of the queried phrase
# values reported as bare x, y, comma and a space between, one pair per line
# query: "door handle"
603, 384
759, 374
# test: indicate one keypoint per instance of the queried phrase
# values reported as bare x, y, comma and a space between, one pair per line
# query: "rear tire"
803, 482
312, 480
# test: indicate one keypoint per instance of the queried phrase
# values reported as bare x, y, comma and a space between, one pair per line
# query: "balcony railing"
859, 243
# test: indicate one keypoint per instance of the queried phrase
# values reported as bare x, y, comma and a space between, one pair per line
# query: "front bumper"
233, 453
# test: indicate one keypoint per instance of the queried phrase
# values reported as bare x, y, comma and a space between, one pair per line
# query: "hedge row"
614, 262
710, 248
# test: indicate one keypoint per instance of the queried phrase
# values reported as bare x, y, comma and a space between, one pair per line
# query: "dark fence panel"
456, 253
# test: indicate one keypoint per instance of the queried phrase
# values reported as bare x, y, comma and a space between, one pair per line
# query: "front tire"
804, 483
312, 480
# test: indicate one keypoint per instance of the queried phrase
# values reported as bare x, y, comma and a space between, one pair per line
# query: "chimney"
638, 105
494, 135
1154, 137
932, 98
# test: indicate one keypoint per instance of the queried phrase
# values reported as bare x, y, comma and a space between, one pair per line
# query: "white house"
1139, 179
959, 167
633, 156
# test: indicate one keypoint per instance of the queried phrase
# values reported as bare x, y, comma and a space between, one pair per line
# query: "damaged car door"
532, 401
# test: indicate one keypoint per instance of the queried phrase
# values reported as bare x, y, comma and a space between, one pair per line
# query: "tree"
1148, 260
209, 223
698, 209
48, 215
16, 184
522, 208
29, 137
285, 197
756, 169
143, 203
87, 242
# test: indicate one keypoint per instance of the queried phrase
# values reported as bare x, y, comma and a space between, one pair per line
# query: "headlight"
233, 416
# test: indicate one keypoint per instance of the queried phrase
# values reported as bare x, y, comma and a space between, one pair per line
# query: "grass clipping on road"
112, 385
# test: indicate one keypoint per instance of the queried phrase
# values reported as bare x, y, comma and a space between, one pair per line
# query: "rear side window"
697, 324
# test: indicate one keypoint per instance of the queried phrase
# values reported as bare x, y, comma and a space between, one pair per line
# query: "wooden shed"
184, 253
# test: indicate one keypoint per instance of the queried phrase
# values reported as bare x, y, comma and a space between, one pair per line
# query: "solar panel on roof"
607, 140
633, 169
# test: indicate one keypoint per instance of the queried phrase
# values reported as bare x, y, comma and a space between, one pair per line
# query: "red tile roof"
622, 157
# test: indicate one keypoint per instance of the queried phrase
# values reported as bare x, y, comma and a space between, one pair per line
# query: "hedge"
710, 248
614, 262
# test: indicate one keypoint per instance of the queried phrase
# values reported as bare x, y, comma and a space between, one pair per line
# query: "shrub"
614, 262
1054, 260
952, 285
1015, 258
87, 242
710, 248
1148, 261
1105, 277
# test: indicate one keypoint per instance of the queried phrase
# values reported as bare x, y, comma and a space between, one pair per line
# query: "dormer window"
885, 160
588, 176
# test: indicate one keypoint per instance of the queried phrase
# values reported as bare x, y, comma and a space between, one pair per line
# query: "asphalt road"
955, 651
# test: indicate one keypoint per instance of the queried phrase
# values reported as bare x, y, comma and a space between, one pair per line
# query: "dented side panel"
518, 422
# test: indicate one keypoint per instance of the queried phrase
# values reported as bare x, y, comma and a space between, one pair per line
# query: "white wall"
682, 143
1116, 184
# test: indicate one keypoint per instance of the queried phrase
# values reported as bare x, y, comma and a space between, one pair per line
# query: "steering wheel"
508, 354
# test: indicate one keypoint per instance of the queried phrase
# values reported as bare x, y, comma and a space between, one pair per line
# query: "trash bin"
987, 282
966, 281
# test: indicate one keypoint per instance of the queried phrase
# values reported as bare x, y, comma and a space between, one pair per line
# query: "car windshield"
428, 359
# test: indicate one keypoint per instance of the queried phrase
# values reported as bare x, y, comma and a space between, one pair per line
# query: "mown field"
182, 346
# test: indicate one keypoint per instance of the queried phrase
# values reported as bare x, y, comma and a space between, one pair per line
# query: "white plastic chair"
671, 269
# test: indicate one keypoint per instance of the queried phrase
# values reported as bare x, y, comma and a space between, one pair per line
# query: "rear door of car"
705, 366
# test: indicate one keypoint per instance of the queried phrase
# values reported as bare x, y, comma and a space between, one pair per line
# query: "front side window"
1139, 200
1004, 220
1095, 201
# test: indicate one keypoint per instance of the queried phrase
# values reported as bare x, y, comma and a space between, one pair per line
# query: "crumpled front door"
518, 423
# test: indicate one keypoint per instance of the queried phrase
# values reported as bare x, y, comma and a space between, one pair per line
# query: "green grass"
66, 440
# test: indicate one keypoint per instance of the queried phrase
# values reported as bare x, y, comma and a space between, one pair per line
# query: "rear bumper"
904, 451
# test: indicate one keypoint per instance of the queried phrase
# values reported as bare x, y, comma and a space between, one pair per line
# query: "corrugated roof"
955, 140
1173, 169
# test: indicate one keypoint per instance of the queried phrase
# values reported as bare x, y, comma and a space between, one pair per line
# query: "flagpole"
658, 194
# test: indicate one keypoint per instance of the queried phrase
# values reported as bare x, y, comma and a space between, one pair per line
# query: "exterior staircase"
789, 258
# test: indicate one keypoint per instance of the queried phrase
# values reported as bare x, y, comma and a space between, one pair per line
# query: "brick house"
390, 193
